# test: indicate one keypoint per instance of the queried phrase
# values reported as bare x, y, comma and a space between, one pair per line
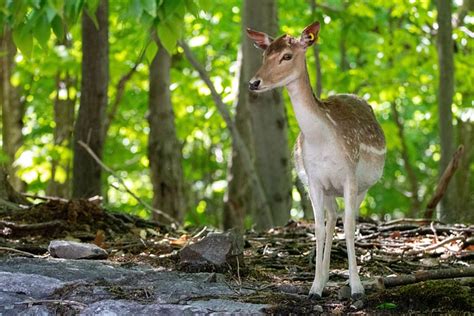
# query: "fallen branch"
26, 228
24, 253
444, 181
45, 197
120, 180
435, 246
421, 276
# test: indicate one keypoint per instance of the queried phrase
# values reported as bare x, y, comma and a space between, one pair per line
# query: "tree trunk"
445, 99
164, 149
267, 135
12, 107
93, 102
64, 119
464, 202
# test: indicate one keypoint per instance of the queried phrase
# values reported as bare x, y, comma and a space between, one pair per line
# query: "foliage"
390, 50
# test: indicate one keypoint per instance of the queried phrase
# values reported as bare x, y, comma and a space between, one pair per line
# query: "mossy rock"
439, 295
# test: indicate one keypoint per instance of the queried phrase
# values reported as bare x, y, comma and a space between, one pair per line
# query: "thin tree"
93, 101
445, 97
164, 148
262, 122
12, 107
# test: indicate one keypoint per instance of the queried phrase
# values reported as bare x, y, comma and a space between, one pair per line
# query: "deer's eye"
287, 57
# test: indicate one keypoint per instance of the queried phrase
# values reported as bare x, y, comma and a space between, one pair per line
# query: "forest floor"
407, 266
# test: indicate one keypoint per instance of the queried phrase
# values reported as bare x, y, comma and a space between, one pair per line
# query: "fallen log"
421, 276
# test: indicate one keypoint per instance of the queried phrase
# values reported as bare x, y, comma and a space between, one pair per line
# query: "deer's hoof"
314, 296
357, 296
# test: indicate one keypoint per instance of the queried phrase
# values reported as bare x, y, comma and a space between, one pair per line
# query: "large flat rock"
32, 286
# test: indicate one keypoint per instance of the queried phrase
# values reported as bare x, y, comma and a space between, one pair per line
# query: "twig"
120, 180
428, 275
62, 302
26, 254
444, 181
45, 197
433, 229
121, 88
247, 163
433, 247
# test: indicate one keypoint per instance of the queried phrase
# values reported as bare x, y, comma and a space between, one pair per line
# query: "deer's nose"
253, 85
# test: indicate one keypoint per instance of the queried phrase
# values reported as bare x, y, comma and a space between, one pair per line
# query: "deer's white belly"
327, 167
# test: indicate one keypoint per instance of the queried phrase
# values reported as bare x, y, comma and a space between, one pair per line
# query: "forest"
131, 132
141, 84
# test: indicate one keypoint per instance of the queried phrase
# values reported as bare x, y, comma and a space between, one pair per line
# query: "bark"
8, 196
12, 107
64, 119
421, 276
267, 137
164, 149
445, 98
463, 180
89, 126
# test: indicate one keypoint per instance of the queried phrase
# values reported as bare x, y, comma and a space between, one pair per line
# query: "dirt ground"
277, 264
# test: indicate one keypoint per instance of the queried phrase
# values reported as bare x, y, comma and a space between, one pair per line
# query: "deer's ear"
261, 40
310, 34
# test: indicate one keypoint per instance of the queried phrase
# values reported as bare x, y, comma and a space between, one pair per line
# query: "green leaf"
58, 5
151, 51
387, 306
149, 6
91, 10
50, 13
167, 37
170, 6
72, 10
58, 27
23, 39
42, 31
192, 7
136, 9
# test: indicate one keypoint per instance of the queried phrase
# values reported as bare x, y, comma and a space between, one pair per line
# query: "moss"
439, 295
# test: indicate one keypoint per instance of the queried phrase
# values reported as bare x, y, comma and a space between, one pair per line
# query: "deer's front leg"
317, 201
350, 211
331, 216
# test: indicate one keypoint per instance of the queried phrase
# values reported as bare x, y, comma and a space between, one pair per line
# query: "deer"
340, 151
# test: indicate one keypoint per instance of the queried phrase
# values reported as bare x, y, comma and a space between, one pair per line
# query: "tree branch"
120, 89
120, 180
428, 275
444, 181
236, 137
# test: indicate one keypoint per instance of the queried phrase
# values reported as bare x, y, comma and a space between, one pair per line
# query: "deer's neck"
306, 107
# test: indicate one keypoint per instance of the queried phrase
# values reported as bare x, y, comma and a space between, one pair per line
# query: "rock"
359, 304
214, 252
344, 293
318, 309
108, 288
30, 285
75, 250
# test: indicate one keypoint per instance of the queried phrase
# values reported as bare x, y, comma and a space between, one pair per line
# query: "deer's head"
283, 58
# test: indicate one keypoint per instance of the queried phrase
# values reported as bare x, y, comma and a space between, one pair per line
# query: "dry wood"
444, 182
120, 180
428, 275
32, 227
21, 252
437, 245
